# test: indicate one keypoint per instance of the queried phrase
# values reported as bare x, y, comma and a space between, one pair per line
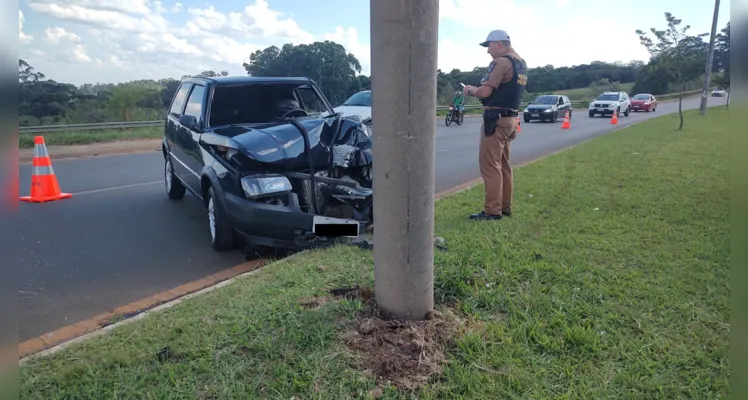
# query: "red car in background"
643, 102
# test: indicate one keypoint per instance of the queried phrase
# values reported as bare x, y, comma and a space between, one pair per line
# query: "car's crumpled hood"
280, 147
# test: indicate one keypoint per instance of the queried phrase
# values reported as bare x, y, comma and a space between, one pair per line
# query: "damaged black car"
270, 160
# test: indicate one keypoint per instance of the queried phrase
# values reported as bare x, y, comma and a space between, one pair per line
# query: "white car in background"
719, 92
610, 103
358, 105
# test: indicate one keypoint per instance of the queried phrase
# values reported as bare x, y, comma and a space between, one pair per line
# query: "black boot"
506, 213
484, 216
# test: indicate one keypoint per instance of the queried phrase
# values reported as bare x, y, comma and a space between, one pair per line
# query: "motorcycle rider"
458, 102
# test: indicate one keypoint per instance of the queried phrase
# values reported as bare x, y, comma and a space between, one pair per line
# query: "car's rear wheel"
627, 112
174, 187
221, 233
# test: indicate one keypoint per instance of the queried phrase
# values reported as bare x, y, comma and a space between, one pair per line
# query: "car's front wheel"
174, 187
592, 114
221, 233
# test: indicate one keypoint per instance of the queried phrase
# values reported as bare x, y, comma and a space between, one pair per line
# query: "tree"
681, 56
722, 59
26, 73
126, 98
327, 63
207, 74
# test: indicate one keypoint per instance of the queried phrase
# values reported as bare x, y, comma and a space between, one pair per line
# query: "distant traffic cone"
567, 121
519, 127
614, 120
44, 186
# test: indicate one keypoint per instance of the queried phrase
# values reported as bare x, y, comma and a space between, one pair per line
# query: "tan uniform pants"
493, 159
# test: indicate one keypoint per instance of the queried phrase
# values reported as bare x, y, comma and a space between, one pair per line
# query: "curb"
66, 336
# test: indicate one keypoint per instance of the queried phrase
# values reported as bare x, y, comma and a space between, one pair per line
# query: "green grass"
26, 140
610, 281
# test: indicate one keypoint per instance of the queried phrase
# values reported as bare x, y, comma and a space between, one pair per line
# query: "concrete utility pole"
404, 36
709, 61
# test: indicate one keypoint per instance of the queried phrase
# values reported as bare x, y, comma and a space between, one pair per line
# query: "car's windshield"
609, 96
263, 103
545, 100
360, 99
641, 97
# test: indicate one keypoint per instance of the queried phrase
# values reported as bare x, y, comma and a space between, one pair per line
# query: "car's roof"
229, 80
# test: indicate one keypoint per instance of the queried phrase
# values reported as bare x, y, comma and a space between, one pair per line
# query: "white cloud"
256, 20
55, 35
22, 37
136, 39
531, 39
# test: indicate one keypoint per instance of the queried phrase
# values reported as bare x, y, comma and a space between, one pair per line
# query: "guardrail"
146, 124
88, 127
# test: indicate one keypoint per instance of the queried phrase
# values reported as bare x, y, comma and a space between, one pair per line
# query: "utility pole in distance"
404, 35
709, 61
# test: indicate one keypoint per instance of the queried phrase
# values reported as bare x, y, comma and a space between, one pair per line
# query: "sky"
102, 41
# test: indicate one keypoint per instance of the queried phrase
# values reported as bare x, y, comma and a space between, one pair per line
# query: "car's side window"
177, 104
195, 102
312, 102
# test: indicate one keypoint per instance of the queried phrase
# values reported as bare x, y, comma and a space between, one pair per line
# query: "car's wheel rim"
212, 219
167, 176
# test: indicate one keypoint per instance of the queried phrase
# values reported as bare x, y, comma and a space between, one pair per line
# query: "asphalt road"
120, 239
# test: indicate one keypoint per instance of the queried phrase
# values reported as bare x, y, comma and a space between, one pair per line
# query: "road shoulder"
94, 149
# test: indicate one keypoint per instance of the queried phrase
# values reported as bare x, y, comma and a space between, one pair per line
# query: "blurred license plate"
535, 115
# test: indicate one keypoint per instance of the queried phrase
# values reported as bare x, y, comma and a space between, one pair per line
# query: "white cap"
495, 36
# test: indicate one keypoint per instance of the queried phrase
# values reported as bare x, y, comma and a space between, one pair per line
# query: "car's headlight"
548, 110
265, 185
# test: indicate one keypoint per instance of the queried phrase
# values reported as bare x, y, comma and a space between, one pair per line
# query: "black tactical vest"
509, 94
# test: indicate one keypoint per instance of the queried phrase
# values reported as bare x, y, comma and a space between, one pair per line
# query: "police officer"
500, 92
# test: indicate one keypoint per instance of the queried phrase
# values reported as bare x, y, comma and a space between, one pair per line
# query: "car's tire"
221, 234
527, 120
174, 187
592, 114
627, 112
554, 117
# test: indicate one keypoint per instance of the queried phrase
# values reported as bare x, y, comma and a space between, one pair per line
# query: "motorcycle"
454, 115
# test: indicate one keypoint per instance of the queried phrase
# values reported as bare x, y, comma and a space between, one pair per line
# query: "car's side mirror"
189, 122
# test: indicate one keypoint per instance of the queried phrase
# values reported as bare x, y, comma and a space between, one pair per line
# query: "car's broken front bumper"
287, 226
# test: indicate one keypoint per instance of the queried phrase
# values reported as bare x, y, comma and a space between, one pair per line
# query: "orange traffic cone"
519, 127
614, 120
567, 121
44, 186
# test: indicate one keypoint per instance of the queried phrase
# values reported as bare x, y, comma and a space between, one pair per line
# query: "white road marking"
441, 151
118, 187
